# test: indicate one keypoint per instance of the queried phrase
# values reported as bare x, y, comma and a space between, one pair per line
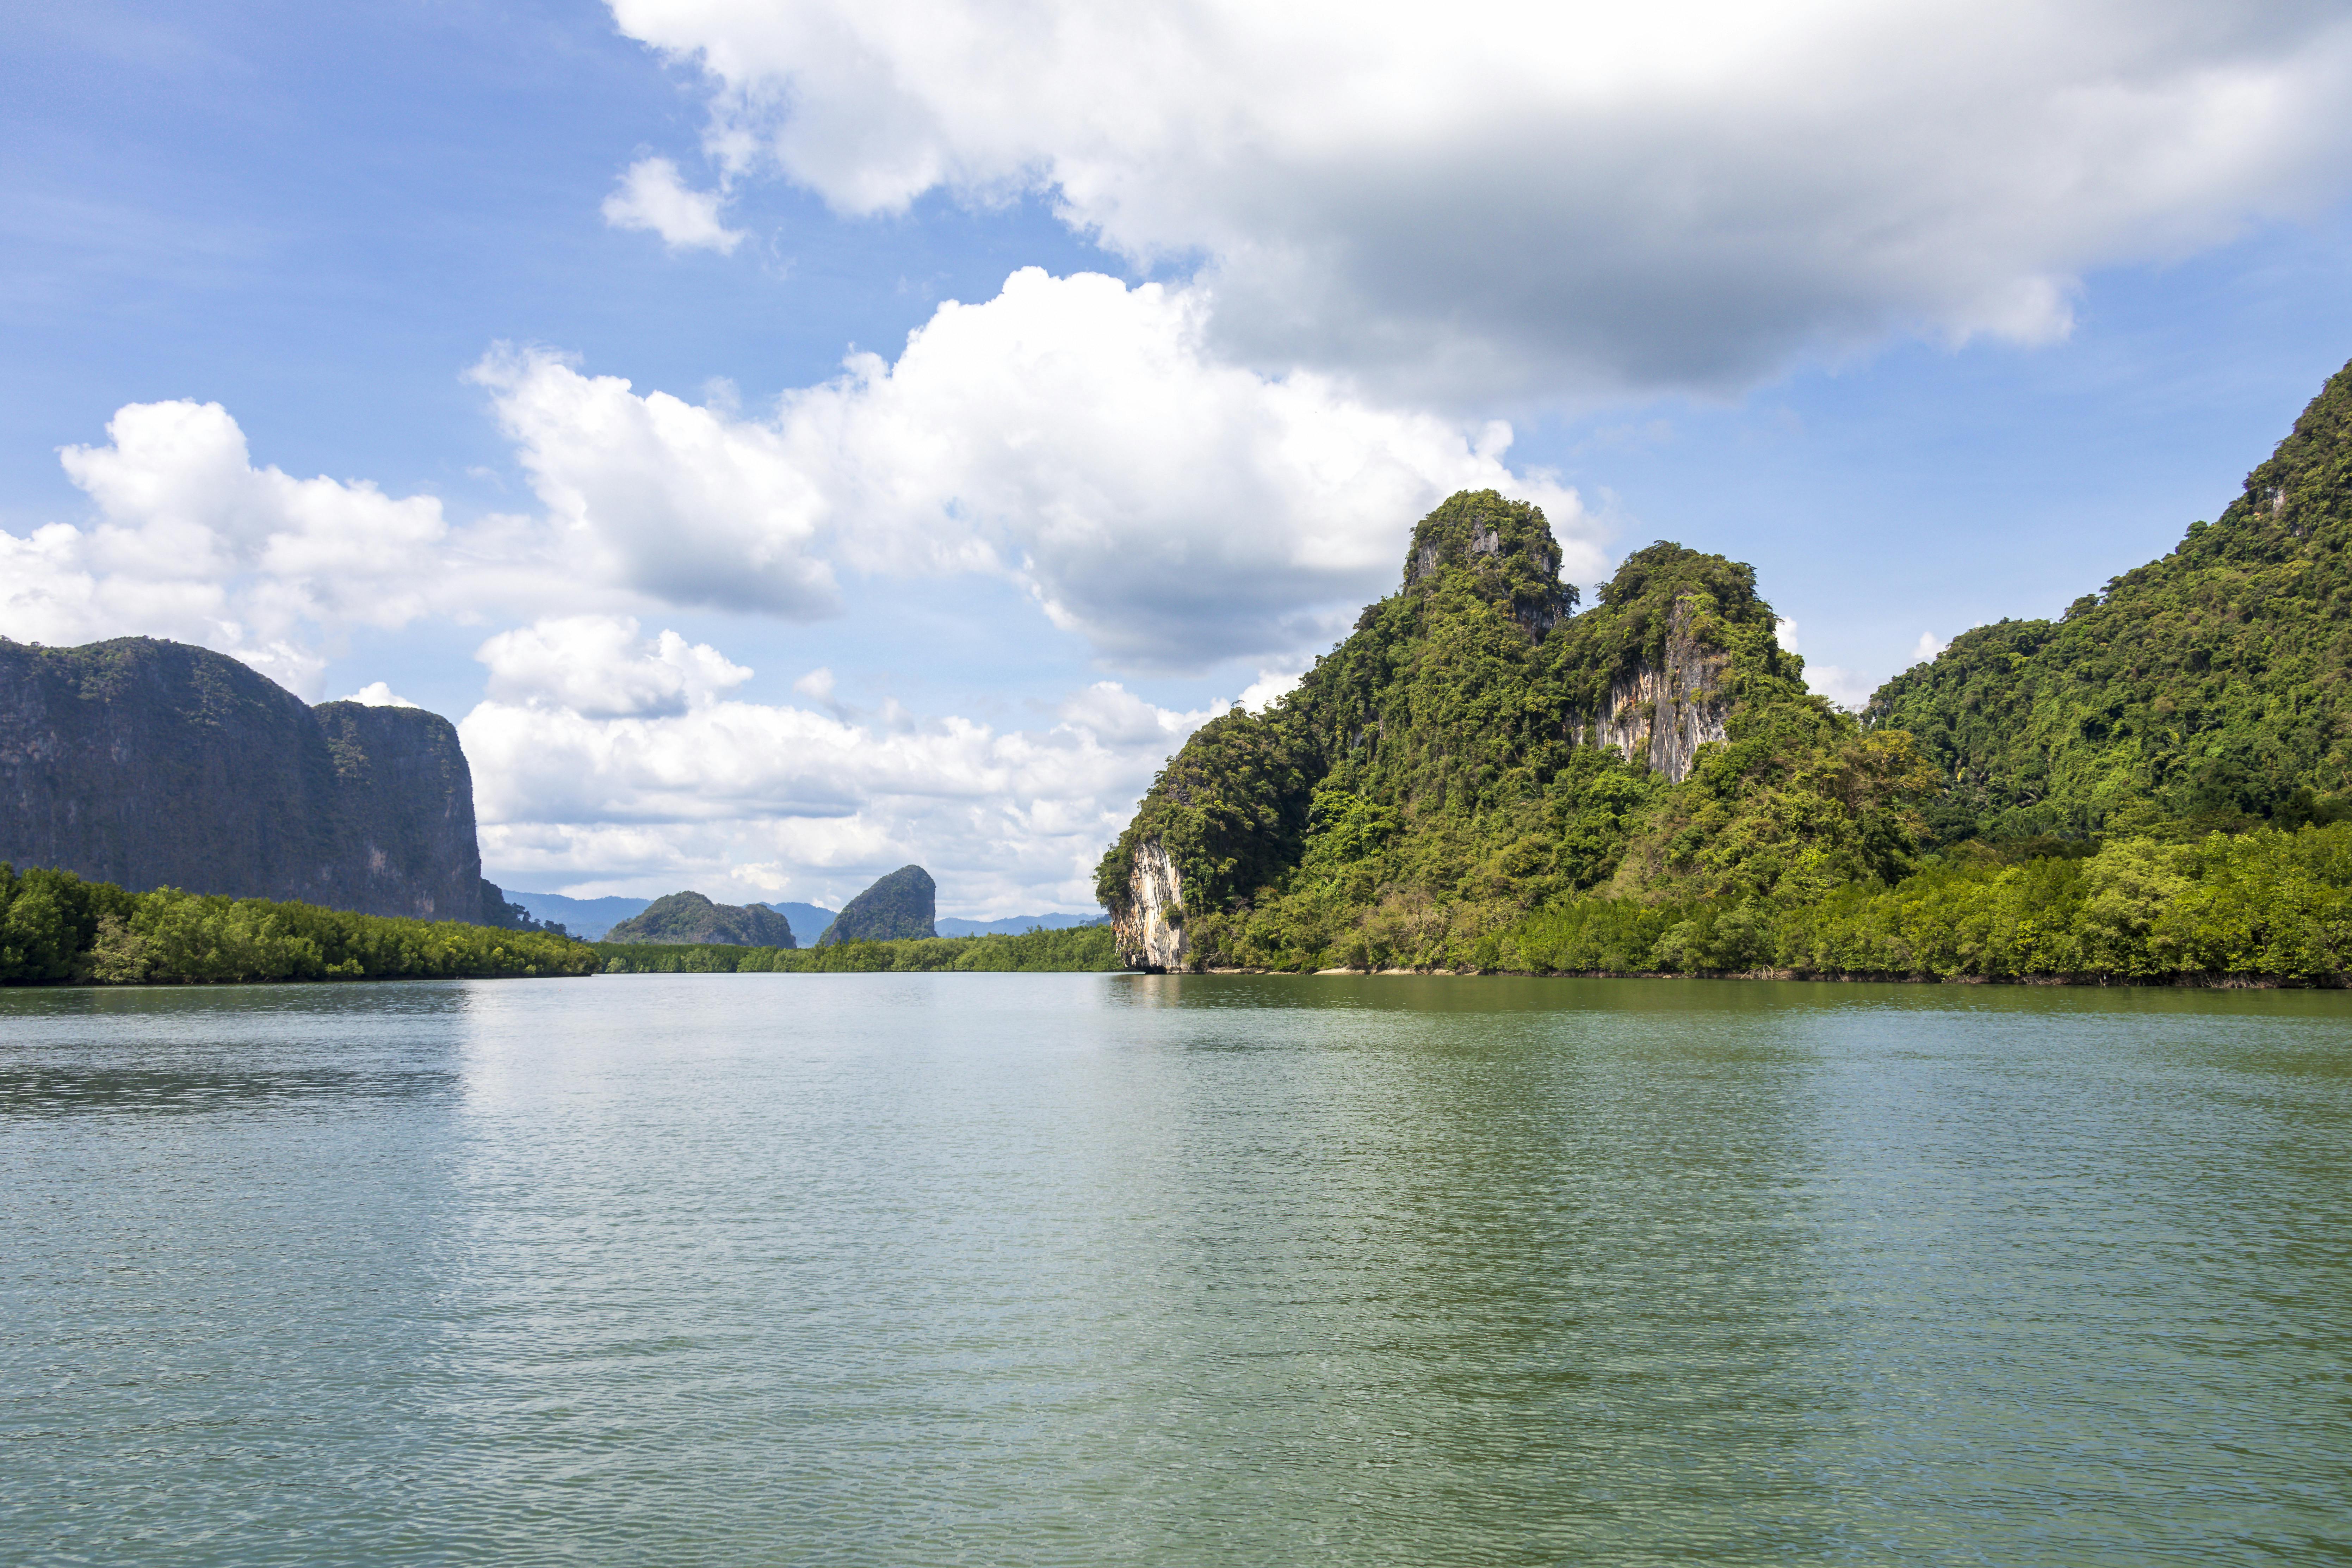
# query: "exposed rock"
903, 904
1509, 549
691, 918
1665, 712
150, 764
1148, 926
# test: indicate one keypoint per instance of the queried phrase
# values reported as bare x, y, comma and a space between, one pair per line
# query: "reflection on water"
911, 1269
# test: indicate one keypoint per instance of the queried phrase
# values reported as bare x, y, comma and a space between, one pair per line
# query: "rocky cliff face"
1663, 712
1148, 926
150, 764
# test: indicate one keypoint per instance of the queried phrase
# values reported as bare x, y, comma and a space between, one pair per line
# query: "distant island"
2153, 787
897, 907
692, 918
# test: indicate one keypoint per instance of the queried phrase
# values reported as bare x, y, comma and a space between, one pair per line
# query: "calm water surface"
871, 1269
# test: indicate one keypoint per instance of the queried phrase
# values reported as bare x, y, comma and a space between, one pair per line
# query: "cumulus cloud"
600, 668
191, 541
378, 694
1928, 648
1500, 195
1074, 434
757, 800
651, 196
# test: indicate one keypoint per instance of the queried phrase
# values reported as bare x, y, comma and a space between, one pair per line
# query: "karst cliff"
1471, 705
150, 764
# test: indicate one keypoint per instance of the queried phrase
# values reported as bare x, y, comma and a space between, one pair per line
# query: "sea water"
878, 1270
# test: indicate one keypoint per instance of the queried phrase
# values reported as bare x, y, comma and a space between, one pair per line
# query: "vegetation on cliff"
57, 928
2141, 789
2211, 689
1438, 772
898, 907
1074, 949
689, 917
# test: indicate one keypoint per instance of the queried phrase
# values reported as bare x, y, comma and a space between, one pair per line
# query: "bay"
883, 1269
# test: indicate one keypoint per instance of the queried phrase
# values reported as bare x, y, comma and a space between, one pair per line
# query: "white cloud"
1928, 648
652, 197
748, 800
681, 503
1269, 685
598, 667
1586, 196
379, 694
1843, 687
1074, 434
191, 541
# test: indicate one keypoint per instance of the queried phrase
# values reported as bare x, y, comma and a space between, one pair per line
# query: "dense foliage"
1434, 779
1074, 949
2141, 789
691, 917
2214, 685
2269, 904
55, 927
899, 905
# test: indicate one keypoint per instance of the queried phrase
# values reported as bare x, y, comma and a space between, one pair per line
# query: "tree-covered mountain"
2211, 688
901, 905
1478, 776
1475, 750
689, 917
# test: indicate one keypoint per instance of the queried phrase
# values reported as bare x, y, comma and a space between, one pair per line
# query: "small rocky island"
689, 917
903, 904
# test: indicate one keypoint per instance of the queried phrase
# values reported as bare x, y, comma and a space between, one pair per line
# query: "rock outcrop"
901, 905
689, 917
1148, 926
1663, 712
150, 764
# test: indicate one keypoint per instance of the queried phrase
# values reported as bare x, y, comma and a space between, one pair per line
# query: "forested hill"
1474, 750
2206, 690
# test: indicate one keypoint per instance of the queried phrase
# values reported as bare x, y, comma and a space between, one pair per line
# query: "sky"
791, 438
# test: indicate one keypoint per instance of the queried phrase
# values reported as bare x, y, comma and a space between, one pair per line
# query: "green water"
878, 1270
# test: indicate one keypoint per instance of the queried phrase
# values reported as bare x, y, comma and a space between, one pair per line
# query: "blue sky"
1911, 328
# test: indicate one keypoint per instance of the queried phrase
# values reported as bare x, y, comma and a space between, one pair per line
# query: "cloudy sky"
794, 437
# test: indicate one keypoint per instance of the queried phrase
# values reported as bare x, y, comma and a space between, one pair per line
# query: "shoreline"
2200, 982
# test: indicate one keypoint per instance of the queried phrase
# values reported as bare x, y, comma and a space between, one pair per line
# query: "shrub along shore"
1075, 950
55, 928
2262, 907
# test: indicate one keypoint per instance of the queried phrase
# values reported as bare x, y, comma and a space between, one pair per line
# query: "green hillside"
1473, 750
2207, 689
1478, 777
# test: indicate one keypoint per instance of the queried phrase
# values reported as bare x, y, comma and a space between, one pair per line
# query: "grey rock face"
1149, 930
150, 764
1663, 714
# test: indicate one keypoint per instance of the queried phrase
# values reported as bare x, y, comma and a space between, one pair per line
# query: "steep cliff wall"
1148, 926
1665, 711
150, 764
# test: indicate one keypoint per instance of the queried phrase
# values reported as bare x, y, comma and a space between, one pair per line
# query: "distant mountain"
149, 763
902, 904
1013, 925
587, 919
691, 917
